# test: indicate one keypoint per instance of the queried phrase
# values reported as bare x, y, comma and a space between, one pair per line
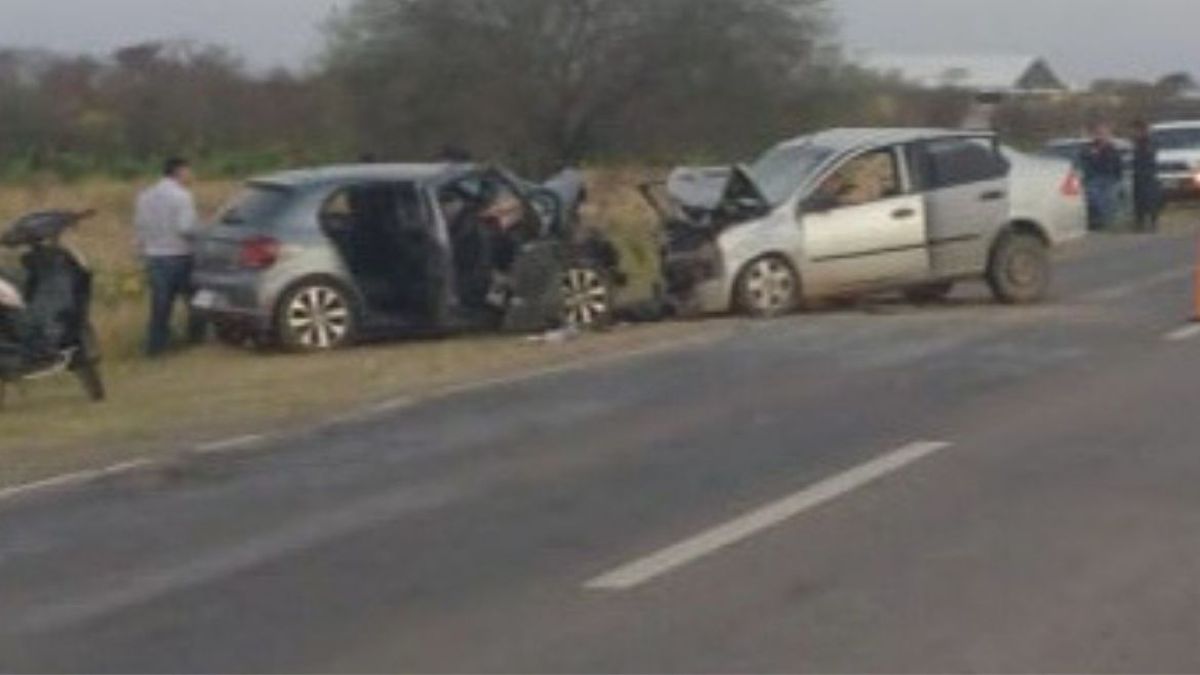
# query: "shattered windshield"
782, 170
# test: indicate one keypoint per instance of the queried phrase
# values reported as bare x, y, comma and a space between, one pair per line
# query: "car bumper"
230, 299
1180, 185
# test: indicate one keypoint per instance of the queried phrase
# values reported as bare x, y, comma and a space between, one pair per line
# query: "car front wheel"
1020, 270
317, 316
587, 298
768, 288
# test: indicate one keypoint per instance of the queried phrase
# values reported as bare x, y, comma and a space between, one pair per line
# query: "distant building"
997, 74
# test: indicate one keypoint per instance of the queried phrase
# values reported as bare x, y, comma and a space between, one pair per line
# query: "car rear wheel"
768, 288
317, 316
1020, 270
587, 298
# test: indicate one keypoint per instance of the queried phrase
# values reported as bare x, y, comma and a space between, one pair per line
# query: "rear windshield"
257, 202
1177, 139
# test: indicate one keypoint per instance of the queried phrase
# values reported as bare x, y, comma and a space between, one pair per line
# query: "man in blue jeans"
165, 220
1103, 171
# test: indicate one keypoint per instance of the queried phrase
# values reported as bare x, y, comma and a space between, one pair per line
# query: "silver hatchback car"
848, 212
313, 260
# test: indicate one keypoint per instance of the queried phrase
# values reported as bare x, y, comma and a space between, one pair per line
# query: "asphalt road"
884, 488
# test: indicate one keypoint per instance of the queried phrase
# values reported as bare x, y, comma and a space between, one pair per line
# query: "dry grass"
214, 392
107, 242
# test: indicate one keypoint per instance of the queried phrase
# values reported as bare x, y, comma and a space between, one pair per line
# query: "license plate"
205, 300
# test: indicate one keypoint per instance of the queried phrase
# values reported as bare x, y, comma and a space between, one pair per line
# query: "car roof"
1123, 143
431, 173
1181, 124
848, 139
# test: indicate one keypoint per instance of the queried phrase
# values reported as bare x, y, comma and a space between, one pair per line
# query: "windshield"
782, 170
1177, 139
256, 202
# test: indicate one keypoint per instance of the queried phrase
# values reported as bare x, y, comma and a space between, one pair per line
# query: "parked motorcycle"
45, 316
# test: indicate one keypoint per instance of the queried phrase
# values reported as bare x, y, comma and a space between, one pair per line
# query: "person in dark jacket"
1103, 172
1147, 190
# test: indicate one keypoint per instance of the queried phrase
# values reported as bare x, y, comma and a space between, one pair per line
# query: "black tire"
588, 297
89, 376
317, 316
1020, 270
930, 293
232, 334
768, 288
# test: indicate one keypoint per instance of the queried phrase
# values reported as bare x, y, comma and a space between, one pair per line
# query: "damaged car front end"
717, 220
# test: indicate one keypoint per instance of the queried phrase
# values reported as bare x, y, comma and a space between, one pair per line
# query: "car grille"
1173, 167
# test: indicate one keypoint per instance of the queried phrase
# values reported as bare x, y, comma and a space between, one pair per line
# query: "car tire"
317, 316
231, 334
1020, 270
768, 288
588, 298
929, 293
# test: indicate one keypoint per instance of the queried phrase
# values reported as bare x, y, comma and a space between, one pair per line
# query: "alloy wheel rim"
586, 297
319, 318
771, 285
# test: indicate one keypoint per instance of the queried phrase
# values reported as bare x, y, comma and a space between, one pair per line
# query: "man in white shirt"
165, 219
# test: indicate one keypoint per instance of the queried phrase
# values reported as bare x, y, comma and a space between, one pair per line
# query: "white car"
1178, 158
850, 211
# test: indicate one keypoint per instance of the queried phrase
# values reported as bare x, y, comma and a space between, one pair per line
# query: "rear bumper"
234, 298
1180, 185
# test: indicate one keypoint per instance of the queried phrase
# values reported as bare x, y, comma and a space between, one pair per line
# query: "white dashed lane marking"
707, 543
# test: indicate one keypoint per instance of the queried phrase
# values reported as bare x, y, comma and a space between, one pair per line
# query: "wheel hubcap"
586, 298
319, 318
1024, 269
771, 286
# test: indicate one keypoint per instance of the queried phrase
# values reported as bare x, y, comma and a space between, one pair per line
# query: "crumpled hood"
698, 188
570, 187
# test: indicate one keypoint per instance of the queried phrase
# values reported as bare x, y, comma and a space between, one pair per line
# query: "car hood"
716, 196
698, 188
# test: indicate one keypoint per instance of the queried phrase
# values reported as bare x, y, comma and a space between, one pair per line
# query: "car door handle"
993, 196
903, 214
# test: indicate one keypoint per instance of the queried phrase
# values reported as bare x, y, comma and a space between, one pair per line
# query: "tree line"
534, 83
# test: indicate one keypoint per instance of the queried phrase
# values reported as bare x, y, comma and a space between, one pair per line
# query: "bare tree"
549, 81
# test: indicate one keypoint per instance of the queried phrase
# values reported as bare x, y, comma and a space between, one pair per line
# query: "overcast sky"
1083, 38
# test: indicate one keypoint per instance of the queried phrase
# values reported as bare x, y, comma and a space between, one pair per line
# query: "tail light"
1072, 186
259, 253
1196, 181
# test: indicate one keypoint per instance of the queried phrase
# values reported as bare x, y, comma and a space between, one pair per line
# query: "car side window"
868, 178
398, 206
337, 213
951, 162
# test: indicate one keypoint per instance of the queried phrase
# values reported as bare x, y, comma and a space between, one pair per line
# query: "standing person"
1103, 171
165, 219
1147, 190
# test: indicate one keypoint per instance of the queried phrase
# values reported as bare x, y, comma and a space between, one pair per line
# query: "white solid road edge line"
394, 405
72, 479
1184, 333
231, 445
78, 478
651, 567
